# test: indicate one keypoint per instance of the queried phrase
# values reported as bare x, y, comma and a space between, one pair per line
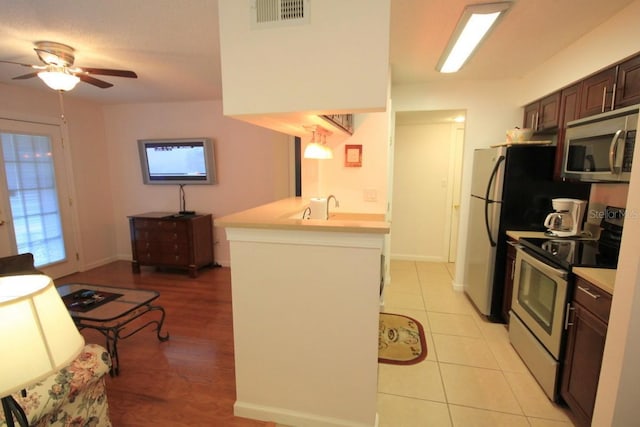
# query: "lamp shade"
315, 150
37, 333
59, 80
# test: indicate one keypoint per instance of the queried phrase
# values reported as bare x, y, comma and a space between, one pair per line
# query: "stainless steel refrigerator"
511, 189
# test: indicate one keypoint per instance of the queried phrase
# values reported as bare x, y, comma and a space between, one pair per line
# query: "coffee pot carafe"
566, 221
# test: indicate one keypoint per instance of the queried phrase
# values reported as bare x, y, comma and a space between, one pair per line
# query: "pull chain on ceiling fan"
58, 71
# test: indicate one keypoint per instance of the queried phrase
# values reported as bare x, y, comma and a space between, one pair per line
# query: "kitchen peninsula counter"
306, 302
286, 214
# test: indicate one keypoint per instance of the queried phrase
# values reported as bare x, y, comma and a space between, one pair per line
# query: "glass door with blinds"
35, 208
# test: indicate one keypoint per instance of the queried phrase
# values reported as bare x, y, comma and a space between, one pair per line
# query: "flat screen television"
177, 161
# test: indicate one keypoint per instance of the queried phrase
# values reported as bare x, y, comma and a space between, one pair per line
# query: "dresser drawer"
160, 225
592, 298
147, 235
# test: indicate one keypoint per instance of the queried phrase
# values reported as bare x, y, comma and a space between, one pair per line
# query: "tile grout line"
444, 389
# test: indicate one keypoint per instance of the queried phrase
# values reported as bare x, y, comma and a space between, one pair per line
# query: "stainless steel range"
543, 280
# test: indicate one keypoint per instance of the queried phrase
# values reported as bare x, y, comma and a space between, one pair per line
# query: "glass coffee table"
110, 310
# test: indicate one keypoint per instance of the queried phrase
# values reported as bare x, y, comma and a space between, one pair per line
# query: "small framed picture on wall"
353, 156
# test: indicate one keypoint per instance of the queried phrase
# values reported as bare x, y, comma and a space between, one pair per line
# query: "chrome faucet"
304, 213
337, 203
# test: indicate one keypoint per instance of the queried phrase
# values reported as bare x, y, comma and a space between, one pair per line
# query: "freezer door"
487, 178
480, 257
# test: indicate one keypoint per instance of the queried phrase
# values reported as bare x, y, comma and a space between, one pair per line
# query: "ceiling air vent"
278, 13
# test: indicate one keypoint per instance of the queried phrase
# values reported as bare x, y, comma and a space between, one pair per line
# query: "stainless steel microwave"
600, 148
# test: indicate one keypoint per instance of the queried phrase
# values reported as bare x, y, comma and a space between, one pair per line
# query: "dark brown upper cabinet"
628, 83
569, 105
596, 95
543, 114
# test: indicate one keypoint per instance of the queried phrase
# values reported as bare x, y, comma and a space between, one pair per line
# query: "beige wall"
90, 174
253, 165
490, 109
292, 67
348, 184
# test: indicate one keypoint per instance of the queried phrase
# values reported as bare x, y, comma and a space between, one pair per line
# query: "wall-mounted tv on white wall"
177, 161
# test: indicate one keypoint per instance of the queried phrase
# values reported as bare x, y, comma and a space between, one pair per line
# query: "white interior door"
35, 205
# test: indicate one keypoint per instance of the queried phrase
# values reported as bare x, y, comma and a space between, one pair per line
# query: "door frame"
73, 242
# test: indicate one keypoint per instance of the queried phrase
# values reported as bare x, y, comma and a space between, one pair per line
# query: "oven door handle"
541, 265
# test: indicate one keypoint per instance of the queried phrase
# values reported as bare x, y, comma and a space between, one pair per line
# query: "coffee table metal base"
113, 318
116, 330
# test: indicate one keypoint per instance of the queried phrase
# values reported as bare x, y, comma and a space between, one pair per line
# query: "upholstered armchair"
74, 396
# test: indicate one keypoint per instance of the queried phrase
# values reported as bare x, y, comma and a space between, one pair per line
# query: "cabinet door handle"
604, 98
513, 269
588, 292
567, 314
613, 96
537, 120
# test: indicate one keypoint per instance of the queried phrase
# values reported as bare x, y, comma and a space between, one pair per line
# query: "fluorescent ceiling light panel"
473, 26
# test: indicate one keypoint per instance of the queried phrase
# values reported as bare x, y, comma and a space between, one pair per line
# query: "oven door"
539, 299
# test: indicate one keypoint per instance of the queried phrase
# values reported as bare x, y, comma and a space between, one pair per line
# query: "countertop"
286, 214
604, 278
518, 234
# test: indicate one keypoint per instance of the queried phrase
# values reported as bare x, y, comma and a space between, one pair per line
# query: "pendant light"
317, 147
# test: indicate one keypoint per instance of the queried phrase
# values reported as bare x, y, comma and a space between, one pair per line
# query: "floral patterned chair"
74, 396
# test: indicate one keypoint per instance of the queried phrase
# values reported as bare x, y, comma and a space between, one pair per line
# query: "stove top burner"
568, 253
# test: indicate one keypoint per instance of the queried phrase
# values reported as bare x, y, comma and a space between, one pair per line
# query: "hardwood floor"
187, 380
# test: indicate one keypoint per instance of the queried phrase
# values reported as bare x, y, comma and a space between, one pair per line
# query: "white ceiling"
173, 45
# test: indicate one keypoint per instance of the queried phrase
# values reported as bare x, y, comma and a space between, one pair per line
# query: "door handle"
613, 151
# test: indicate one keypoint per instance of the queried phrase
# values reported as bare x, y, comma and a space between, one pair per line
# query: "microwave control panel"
629, 144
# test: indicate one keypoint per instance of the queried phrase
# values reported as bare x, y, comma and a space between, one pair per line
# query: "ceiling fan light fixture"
59, 80
474, 24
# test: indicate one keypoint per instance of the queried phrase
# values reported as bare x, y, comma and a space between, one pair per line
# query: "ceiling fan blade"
18, 63
25, 76
93, 81
109, 72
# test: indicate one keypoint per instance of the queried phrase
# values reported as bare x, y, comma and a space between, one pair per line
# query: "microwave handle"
613, 150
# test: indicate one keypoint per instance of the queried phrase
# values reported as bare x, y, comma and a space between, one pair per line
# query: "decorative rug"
400, 340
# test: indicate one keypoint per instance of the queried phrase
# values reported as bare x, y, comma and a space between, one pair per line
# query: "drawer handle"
588, 292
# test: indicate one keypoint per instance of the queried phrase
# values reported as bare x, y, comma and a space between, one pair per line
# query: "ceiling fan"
58, 71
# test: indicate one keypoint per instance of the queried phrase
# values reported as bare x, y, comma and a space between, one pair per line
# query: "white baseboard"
292, 418
458, 286
419, 258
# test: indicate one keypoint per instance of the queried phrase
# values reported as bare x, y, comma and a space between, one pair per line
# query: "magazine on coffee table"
87, 299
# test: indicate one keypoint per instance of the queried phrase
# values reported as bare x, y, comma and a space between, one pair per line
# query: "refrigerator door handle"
487, 200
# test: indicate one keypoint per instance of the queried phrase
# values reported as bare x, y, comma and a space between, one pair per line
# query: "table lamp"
37, 334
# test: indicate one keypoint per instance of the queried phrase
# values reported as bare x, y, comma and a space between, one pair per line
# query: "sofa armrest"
18, 264
76, 392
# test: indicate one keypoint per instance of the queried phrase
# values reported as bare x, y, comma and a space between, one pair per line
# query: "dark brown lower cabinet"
585, 347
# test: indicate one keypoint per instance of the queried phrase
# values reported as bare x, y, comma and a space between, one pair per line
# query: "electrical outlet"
370, 195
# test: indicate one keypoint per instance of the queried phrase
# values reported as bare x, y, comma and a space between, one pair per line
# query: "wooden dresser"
163, 239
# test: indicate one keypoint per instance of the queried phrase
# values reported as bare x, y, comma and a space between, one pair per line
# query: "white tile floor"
471, 376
